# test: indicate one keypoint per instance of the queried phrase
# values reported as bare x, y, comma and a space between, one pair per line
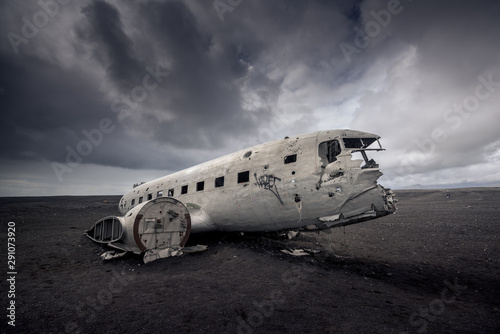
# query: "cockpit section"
340, 155
355, 148
348, 176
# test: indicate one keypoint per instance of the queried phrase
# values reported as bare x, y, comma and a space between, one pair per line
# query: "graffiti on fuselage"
268, 182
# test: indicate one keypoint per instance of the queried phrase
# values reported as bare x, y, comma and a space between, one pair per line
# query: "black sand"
431, 268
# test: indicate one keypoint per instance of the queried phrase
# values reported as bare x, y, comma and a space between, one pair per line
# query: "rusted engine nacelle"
154, 227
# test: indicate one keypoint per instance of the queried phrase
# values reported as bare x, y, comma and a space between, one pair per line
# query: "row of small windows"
219, 182
200, 186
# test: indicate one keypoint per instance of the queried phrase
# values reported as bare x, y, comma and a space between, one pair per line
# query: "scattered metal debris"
300, 252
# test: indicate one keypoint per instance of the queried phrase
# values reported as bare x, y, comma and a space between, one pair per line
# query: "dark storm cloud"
43, 106
204, 101
45, 110
198, 105
46, 105
102, 28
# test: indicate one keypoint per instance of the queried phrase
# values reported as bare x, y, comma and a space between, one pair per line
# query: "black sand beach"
431, 268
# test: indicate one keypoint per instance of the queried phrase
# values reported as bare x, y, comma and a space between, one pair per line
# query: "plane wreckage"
308, 182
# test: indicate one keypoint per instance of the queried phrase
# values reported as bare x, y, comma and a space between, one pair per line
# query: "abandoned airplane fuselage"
311, 181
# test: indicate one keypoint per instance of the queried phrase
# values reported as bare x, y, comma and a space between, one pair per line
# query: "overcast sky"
98, 95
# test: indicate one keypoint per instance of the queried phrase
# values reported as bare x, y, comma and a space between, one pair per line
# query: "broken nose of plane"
370, 204
154, 225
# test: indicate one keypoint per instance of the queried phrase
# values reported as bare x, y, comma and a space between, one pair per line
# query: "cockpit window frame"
361, 143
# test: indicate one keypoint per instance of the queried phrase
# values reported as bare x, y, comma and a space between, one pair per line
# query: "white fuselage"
306, 180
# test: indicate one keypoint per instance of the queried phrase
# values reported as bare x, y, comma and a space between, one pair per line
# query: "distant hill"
415, 186
464, 184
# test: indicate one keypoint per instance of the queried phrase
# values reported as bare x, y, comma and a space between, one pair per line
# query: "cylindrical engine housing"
157, 224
